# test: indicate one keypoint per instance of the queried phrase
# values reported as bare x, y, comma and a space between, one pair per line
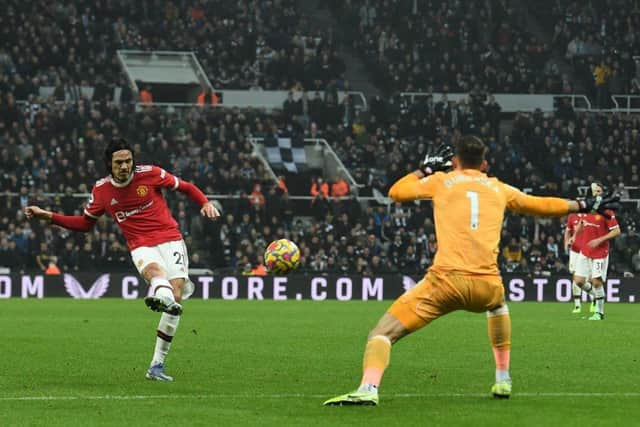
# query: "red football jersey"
572, 224
137, 206
595, 226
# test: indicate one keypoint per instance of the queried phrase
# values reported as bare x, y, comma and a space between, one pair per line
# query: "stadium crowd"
476, 47
241, 44
599, 39
43, 144
456, 46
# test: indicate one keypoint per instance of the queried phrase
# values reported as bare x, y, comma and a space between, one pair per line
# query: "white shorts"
592, 267
573, 258
171, 256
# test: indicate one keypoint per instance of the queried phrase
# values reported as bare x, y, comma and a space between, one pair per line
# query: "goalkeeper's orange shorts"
440, 293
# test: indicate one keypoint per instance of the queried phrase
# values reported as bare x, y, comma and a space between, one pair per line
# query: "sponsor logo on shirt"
123, 215
114, 202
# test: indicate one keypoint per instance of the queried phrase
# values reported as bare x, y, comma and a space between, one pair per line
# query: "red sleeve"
165, 179
82, 223
612, 222
172, 182
570, 222
94, 208
192, 192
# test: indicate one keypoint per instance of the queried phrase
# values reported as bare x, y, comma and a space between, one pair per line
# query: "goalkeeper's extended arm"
554, 206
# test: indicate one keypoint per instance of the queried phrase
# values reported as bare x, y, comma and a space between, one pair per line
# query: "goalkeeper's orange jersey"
468, 210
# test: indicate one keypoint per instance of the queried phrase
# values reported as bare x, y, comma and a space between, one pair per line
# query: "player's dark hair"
470, 151
116, 144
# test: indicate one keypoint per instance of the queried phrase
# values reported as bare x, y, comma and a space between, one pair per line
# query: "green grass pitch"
70, 362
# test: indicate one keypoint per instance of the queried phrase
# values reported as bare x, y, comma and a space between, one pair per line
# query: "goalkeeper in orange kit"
468, 211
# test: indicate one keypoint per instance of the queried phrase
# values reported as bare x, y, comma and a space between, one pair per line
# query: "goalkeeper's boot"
592, 307
577, 310
501, 389
156, 373
164, 304
357, 397
597, 316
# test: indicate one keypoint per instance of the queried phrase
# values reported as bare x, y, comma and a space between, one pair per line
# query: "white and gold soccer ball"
281, 257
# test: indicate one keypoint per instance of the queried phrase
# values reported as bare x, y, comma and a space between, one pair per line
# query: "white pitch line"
304, 396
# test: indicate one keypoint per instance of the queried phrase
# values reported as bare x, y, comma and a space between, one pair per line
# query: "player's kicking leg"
162, 298
376, 359
499, 327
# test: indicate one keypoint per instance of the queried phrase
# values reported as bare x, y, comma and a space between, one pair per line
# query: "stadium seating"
241, 44
599, 40
448, 46
55, 148
209, 147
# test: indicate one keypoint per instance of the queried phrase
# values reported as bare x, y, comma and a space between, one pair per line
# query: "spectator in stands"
512, 252
256, 198
282, 185
601, 75
340, 188
43, 257
319, 189
87, 258
146, 96
207, 97
69, 257
52, 267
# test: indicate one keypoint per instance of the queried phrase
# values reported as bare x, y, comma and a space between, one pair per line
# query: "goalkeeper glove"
600, 204
438, 159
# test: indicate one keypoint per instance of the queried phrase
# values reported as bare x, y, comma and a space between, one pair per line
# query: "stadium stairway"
356, 72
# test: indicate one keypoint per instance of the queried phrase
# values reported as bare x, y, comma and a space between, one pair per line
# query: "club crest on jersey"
142, 190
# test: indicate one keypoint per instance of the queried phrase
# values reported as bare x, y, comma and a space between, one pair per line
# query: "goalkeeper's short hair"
470, 151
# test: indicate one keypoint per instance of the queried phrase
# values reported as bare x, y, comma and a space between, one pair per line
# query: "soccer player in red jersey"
132, 195
593, 261
573, 242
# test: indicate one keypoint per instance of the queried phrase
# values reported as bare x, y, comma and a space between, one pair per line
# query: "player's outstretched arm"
415, 186
81, 223
210, 211
38, 213
554, 206
207, 209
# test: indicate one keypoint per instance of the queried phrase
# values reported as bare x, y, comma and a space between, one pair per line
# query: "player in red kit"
593, 261
132, 196
573, 242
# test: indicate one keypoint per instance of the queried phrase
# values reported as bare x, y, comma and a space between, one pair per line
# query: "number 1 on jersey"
473, 197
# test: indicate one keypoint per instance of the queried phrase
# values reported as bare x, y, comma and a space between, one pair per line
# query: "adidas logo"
114, 202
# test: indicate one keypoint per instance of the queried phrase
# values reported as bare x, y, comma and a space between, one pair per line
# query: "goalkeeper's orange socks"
499, 327
376, 360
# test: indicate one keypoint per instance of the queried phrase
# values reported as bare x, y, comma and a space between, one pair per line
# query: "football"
281, 257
